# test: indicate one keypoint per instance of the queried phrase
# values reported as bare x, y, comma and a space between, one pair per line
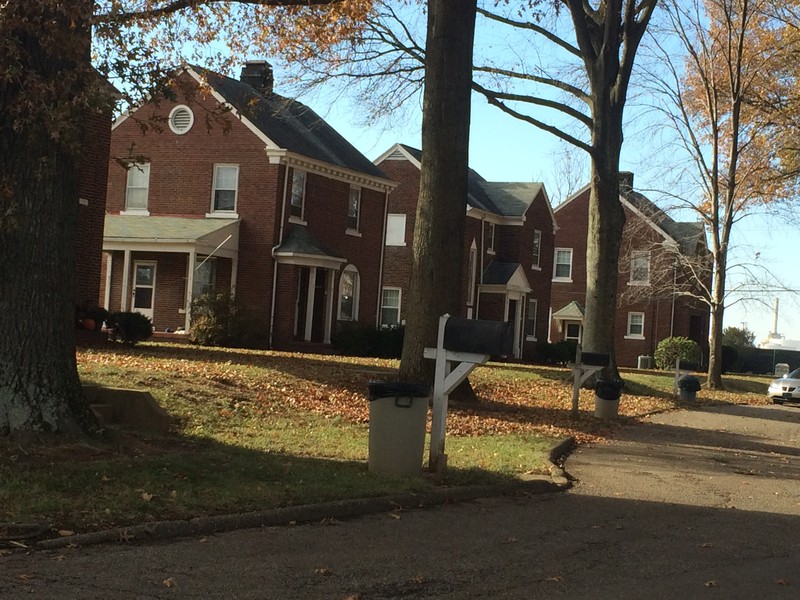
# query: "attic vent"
396, 155
181, 119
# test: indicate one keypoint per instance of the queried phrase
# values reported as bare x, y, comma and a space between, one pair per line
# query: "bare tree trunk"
437, 253
45, 49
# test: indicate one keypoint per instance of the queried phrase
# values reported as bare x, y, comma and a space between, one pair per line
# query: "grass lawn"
254, 430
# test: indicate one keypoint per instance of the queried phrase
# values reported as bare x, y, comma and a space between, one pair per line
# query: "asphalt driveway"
691, 504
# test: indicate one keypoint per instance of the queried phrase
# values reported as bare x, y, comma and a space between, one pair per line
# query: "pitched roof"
686, 233
509, 199
162, 229
573, 311
290, 124
299, 240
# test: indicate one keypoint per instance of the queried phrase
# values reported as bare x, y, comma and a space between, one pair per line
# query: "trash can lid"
397, 389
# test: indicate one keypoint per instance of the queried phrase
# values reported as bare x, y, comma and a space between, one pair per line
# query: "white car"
785, 389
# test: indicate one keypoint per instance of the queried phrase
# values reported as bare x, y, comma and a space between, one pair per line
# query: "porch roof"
510, 276
301, 248
573, 311
171, 234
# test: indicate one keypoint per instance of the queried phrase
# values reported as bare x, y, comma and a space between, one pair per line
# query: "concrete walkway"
693, 504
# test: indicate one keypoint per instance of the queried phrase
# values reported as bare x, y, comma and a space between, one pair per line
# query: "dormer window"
181, 119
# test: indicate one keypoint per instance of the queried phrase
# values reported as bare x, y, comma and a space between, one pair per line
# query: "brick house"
508, 249
242, 189
649, 309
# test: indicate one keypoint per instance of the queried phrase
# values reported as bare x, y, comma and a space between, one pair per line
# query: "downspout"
672, 310
274, 249
383, 257
480, 279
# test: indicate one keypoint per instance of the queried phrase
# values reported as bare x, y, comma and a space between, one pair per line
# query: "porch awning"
172, 234
299, 247
502, 277
571, 312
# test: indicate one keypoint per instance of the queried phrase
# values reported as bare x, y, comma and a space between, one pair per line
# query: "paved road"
693, 504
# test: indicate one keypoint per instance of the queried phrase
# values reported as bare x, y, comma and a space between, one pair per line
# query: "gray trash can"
606, 398
688, 387
397, 416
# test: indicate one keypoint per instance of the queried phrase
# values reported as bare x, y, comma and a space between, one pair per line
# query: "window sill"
561, 280
530, 338
220, 214
135, 212
297, 220
490, 251
394, 245
536, 268
634, 337
353, 232
639, 283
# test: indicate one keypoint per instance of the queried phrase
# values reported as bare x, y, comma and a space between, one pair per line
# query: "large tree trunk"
45, 54
441, 210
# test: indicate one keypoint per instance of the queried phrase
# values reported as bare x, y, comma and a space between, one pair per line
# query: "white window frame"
492, 238
386, 307
143, 168
214, 189
531, 337
635, 336
352, 271
355, 191
536, 250
637, 255
568, 278
393, 226
580, 331
209, 263
298, 175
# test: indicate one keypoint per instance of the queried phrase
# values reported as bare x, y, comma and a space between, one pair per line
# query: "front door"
144, 287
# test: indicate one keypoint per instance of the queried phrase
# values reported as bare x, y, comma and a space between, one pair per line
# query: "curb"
339, 510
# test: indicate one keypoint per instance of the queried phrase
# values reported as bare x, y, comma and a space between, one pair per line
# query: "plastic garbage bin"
606, 398
397, 416
688, 387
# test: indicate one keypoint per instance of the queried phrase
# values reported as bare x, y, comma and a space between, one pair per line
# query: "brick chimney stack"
626, 179
258, 74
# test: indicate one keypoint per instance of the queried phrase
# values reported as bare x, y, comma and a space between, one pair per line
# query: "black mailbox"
478, 336
595, 359
687, 365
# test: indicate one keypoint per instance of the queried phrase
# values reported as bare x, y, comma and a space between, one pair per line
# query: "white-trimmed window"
298, 201
472, 273
226, 185
572, 331
635, 325
562, 271
640, 267
181, 119
530, 319
205, 275
348, 294
390, 306
536, 251
354, 209
490, 241
396, 230
137, 188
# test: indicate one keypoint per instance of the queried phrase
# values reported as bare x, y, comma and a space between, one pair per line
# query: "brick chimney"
258, 74
626, 179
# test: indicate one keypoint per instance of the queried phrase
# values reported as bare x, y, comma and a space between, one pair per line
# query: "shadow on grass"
130, 479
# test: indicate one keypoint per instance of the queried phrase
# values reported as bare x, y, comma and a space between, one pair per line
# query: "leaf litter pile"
510, 398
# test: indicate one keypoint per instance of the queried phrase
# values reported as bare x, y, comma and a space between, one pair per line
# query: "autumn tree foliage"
49, 86
720, 96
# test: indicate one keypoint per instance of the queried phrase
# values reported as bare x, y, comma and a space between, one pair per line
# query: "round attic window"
181, 119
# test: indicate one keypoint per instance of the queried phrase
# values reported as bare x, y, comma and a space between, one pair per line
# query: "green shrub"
355, 339
672, 348
129, 327
218, 319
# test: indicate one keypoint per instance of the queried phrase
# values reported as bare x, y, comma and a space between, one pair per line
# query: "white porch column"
312, 283
124, 300
329, 307
235, 273
189, 286
109, 268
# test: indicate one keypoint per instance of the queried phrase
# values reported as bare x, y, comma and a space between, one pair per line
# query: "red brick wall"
93, 174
